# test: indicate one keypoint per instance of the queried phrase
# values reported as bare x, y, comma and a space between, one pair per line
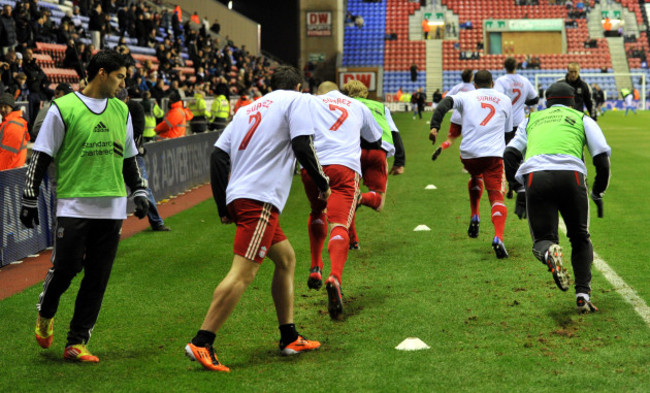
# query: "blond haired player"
486, 115
373, 161
251, 172
340, 123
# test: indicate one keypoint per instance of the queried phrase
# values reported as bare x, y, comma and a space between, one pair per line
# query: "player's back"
486, 116
459, 88
339, 122
519, 89
258, 141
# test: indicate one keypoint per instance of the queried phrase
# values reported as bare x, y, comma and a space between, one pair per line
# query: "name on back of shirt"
256, 106
339, 101
496, 100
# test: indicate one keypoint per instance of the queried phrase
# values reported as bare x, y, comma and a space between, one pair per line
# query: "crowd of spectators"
86, 28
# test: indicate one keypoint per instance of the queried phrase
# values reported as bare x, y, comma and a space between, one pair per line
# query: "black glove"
520, 205
436, 153
141, 205
598, 200
29, 212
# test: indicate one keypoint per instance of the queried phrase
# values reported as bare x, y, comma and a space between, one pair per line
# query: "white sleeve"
596, 142
299, 116
532, 93
520, 140
370, 130
390, 121
508, 117
50, 137
498, 86
223, 142
458, 102
130, 150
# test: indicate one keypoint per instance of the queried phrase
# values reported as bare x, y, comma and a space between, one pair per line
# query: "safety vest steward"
150, 121
220, 108
175, 121
556, 130
90, 160
379, 113
198, 106
13, 141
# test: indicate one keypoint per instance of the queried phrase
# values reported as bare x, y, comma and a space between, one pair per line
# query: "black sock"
288, 333
203, 337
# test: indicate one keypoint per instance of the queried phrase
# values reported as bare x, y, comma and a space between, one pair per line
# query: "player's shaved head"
326, 87
483, 79
355, 88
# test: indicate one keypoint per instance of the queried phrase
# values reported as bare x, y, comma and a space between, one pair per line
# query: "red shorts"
342, 203
257, 228
490, 168
374, 169
454, 130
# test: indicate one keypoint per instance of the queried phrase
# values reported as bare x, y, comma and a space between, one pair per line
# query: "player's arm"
400, 153
219, 171
303, 148
443, 107
600, 152
586, 94
514, 155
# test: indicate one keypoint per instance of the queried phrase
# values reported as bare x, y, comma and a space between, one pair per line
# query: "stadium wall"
321, 43
240, 29
173, 166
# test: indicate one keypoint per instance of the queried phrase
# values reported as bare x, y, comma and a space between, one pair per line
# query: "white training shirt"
486, 116
339, 121
459, 88
629, 100
49, 140
520, 90
258, 141
596, 144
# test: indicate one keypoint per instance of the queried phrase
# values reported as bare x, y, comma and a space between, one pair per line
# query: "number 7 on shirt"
341, 119
256, 118
489, 116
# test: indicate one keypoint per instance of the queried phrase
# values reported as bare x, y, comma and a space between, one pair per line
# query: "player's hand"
141, 206
396, 170
226, 220
432, 135
324, 195
598, 200
520, 205
29, 212
436, 153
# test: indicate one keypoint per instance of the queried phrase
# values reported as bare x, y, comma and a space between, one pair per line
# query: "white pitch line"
627, 293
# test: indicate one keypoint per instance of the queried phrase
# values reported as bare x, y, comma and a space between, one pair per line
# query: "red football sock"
317, 226
338, 250
475, 187
352, 232
499, 214
371, 199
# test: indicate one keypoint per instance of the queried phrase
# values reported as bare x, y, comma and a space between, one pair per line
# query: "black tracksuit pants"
549, 193
80, 244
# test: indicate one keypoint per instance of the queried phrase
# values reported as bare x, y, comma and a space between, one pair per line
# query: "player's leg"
542, 209
494, 183
256, 227
375, 177
475, 190
575, 212
101, 248
352, 232
317, 229
68, 254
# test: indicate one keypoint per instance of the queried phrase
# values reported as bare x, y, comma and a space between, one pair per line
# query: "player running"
521, 93
251, 172
373, 161
340, 122
486, 115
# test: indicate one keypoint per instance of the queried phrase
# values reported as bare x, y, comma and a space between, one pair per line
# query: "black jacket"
7, 31
582, 96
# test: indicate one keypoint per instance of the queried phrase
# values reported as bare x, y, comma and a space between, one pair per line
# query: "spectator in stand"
7, 29
37, 83
19, 90
216, 27
13, 134
73, 59
174, 124
426, 28
96, 26
10, 68
414, 72
152, 112
242, 101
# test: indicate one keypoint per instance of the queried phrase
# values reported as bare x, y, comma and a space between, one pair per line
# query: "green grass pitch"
492, 325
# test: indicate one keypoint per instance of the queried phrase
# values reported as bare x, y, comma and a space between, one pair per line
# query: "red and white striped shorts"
258, 228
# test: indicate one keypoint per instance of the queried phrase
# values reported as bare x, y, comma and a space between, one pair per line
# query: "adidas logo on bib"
100, 127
